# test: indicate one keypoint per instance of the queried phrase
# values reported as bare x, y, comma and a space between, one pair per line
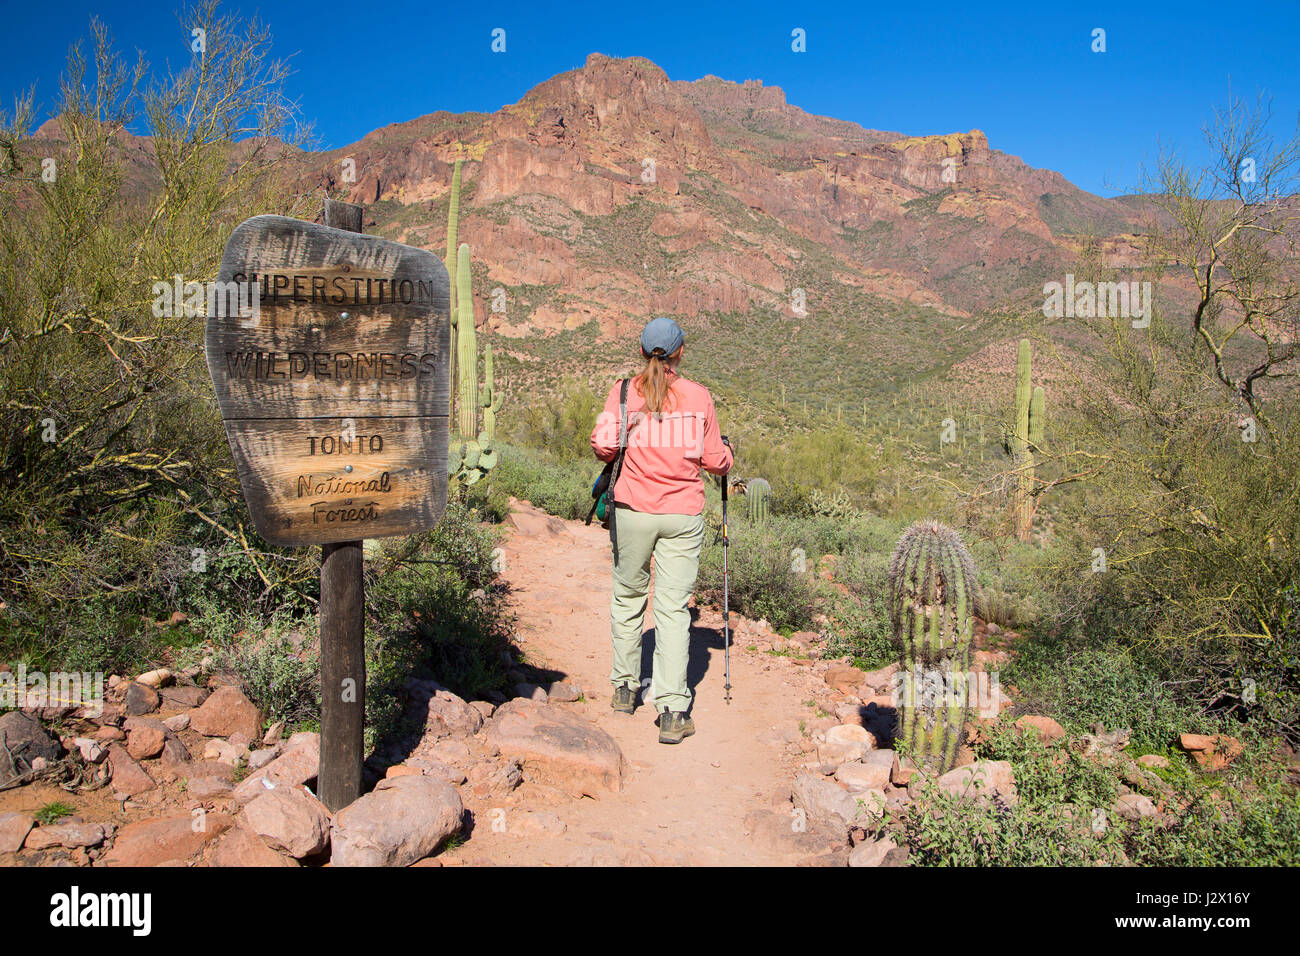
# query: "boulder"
239, 847
68, 835
260, 758
145, 742
167, 840
488, 779
177, 722
290, 820
140, 699
1153, 761
564, 692
92, 751
1211, 753
13, 830
225, 713
208, 787
186, 696
1047, 729
442, 712
844, 678
830, 807
983, 780
1134, 806
859, 776
26, 741
872, 852
156, 678
128, 777
558, 748
833, 754
402, 820
901, 771
297, 766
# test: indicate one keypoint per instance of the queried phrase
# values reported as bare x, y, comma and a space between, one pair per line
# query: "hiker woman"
672, 432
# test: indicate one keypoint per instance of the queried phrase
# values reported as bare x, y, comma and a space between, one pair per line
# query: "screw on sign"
333, 389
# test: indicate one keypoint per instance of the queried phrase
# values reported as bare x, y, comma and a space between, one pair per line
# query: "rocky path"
696, 803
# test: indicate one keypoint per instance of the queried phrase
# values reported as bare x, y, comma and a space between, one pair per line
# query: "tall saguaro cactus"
466, 349
932, 604
1028, 435
451, 262
758, 498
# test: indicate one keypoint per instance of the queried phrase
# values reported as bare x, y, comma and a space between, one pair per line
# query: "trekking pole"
726, 596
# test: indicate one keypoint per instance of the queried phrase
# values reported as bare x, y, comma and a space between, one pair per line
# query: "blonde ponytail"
654, 384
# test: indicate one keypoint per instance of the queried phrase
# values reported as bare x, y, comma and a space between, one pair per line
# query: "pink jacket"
661, 468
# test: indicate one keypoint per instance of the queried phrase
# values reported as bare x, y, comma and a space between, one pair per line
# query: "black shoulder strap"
610, 509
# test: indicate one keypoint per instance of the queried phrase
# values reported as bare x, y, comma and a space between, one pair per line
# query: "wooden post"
334, 401
342, 636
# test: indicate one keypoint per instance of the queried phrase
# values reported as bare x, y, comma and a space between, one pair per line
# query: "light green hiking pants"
675, 542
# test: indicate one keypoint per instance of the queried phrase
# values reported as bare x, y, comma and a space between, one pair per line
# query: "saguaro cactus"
932, 601
1026, 438
451, 262
758, 496
466, 350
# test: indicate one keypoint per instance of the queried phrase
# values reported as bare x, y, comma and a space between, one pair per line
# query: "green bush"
282, 681
435, 609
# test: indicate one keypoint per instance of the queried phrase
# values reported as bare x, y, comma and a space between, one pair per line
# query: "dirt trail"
684, 804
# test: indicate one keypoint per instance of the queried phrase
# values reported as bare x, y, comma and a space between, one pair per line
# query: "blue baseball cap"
662, 335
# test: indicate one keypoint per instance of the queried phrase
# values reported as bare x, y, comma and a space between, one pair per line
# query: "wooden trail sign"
333, 388
334, 393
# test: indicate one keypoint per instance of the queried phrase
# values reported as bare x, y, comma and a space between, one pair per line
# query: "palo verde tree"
116, 485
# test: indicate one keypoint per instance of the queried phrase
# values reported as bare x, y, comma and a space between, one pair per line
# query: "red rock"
157, 842
66, 835
402, 820
900, 774
225, 713
239, 847
558, 748
1211, 753
128, 777
143, 743
13, 830
843, 677
298, 765
1047, 729
290, 820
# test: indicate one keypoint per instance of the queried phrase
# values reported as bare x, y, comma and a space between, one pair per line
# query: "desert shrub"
1116, 686
561, 423
860, 630
1256, 825
113, 465
942, 829
560, 488
435, 610
763, 581
283, 681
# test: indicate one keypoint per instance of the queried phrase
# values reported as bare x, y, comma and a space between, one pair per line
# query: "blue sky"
1021, 71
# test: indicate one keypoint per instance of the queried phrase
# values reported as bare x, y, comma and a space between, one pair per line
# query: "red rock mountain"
612, 193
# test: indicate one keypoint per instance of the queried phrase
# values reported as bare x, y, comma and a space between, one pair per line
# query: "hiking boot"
674, 728
624, 699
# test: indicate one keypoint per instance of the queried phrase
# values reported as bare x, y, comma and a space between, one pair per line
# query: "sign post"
332, 383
